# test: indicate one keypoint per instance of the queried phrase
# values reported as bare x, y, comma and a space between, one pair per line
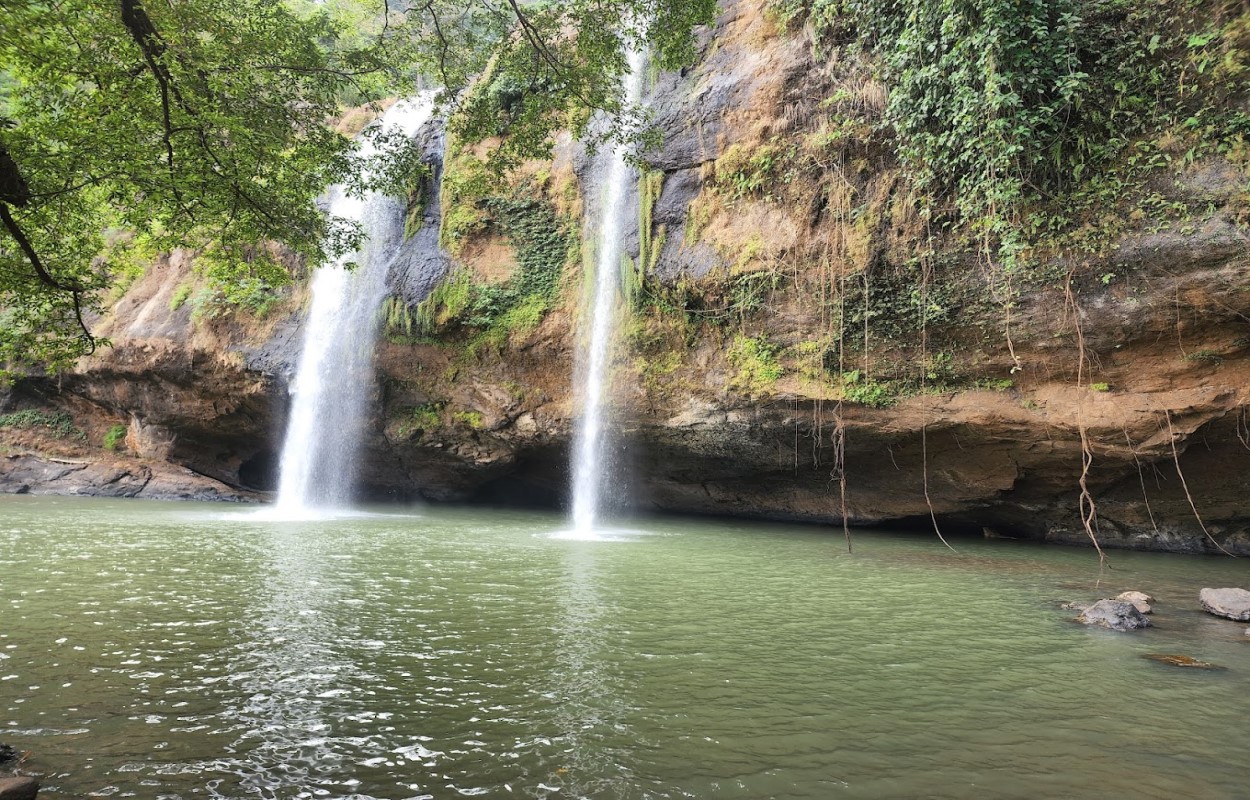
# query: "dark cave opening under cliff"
521, 489
260, 472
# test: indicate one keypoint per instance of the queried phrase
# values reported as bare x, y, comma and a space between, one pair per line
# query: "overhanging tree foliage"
205, 123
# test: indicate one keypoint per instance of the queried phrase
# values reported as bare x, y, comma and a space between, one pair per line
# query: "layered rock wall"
775, 365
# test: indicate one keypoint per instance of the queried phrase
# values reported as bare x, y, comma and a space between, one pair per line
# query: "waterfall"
591, 440
334, 378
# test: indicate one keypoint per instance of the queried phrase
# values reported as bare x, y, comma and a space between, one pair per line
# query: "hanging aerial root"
1176, 459
1242, 427
1088, 509
1141, 477
839, 470
925, 274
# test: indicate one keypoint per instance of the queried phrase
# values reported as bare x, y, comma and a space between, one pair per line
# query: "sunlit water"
176, 650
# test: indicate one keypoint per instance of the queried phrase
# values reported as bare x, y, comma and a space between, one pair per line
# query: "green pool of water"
181, 650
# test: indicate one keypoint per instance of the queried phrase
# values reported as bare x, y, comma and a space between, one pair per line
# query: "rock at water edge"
18, 788
1116, 615
1140, 600
1230, 603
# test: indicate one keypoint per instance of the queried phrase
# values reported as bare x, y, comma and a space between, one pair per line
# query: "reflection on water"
170, 651
587, 695
286, 675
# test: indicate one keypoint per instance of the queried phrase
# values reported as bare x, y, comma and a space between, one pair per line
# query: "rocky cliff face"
802, 345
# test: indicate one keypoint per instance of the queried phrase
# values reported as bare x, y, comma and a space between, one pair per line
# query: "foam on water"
598, 534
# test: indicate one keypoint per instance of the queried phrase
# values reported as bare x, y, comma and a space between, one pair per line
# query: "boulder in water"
1231, 603
8, 753
1116, 615
19, 788
1140, 600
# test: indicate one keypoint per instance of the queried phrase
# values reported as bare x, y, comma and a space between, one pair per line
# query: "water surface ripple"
172, 651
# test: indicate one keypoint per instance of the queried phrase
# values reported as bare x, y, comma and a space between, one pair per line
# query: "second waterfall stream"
334, 377
592, 441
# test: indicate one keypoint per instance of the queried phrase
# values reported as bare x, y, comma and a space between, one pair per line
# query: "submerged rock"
1116, 615
1229, 602
1180, 661
1140, 600
20, 788
8, 753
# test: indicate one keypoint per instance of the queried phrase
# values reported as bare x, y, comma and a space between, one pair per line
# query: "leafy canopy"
128, 128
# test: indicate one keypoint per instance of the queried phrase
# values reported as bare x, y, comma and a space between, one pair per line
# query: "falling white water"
335, 374
591, 439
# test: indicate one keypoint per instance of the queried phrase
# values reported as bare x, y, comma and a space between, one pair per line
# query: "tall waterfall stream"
591, 445
335, 372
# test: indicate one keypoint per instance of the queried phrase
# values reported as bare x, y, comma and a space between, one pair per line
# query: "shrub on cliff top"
1051, 105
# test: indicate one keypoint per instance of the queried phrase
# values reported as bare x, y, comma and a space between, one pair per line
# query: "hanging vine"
925, 275
1088, 508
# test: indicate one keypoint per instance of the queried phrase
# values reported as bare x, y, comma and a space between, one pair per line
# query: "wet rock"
680, 188
1232, 603
1185, 662
149, 441
420, 263
1212, 181
29, 473
526, 423
8, 753
20, 788
1116, 615
1140, 600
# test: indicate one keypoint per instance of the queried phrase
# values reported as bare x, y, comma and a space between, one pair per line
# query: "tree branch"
444, 45
536, 41
13, 187
535, 38
41, 272
153, 48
